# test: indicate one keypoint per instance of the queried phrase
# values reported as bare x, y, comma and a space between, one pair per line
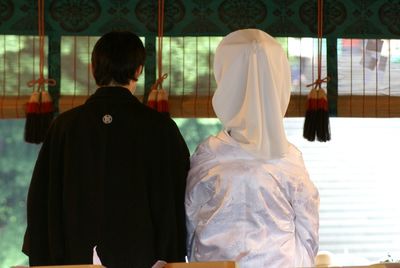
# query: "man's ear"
139, 71
91, 69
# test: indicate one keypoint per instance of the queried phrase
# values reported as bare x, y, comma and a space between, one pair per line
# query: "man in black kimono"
111, 173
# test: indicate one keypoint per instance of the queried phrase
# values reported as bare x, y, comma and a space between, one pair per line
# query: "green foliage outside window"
17, 159
196, 130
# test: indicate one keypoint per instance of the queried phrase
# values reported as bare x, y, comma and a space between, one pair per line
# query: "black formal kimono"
111, 173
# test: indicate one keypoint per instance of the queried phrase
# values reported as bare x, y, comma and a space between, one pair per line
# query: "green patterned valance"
342, 18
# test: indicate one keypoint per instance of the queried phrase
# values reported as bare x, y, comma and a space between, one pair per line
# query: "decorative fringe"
152, 99
39, 115
158, 97
316, 123
162, 102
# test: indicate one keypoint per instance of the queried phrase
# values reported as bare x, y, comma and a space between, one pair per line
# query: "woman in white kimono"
249, 197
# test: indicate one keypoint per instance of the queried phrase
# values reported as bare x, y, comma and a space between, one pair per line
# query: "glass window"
19, 64
303, 59
189, 63
369, 66
76, 54
368, 77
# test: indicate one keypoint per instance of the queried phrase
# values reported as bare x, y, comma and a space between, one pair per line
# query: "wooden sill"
201, 106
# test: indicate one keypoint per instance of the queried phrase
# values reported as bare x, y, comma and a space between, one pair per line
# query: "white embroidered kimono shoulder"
249, 197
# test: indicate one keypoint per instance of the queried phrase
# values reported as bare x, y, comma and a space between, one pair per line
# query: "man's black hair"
115, 58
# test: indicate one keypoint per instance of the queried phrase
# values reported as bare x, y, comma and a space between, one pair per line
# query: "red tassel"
316, 123
33, 104
158, 97
162, 102
152, 99
39, 114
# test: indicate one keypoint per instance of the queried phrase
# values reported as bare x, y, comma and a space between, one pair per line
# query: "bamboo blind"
368, 74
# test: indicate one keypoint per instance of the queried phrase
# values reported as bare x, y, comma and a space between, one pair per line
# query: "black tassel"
316, 123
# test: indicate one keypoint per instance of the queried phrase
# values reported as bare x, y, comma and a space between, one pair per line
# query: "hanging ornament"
162, 100
152, 99
158, 96
316, 123
39, 109
39, 114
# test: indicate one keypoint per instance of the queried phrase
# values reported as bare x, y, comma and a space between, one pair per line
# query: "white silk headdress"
253, 78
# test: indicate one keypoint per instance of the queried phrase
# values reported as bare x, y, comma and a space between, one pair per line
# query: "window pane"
369, 66
303, 58
76, 78
368, 77
19, 63
189, 63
